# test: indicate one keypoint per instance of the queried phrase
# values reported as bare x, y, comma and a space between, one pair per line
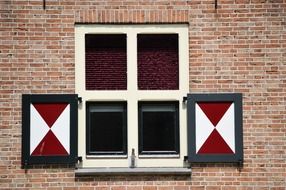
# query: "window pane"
159, 129
106, 132
105, 62
158, 62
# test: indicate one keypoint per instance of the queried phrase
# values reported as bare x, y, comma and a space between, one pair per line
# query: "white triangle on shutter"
204, 127
38, 129
61, 128
226, 126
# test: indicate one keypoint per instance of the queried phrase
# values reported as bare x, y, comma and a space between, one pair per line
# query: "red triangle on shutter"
50, 112
214, 110
50, 146
215, 144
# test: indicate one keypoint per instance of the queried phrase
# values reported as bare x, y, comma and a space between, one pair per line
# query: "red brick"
118, 188
134, 188
149, 188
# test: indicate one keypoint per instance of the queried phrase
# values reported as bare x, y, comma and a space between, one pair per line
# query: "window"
158, 62
158, 128
105, 62
132, 79
106, 128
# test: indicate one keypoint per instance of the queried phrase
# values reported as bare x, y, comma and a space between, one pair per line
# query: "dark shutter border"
50, 146
213, 105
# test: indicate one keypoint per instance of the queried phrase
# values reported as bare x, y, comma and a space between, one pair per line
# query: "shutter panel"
49, 129
215, 128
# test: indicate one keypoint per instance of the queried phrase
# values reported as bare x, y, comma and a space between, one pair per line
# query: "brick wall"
240, 47
106, 62
158, 62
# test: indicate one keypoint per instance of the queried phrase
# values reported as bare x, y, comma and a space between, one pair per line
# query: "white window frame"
132, 95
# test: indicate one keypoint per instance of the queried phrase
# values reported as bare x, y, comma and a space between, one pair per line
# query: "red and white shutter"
49, 129
214, 127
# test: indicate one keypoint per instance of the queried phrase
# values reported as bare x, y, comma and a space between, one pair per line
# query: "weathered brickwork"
106, 62
240, 47
158, 59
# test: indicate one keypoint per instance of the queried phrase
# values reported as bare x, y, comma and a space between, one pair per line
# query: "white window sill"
132, 171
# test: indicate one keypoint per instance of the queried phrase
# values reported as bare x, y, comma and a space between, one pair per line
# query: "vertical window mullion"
132, 97
131, 62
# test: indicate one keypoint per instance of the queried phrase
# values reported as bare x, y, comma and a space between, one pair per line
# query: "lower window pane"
159, 128
106, 128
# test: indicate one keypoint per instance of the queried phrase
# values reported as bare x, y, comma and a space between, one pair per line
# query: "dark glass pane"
106, 130
159, 128
158, 131
105, 62
158, 62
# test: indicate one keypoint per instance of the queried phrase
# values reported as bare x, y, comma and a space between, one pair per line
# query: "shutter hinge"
78, 163
79, 99
240, 164
25, 166
79, 159
186, 162
186, 158
185, 98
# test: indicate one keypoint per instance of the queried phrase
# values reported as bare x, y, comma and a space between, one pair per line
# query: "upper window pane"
158, 62
105, 62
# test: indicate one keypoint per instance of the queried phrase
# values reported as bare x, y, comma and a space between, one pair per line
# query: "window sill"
132, 171
159, 156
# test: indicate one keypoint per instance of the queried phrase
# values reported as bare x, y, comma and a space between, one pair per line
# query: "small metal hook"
215, 4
